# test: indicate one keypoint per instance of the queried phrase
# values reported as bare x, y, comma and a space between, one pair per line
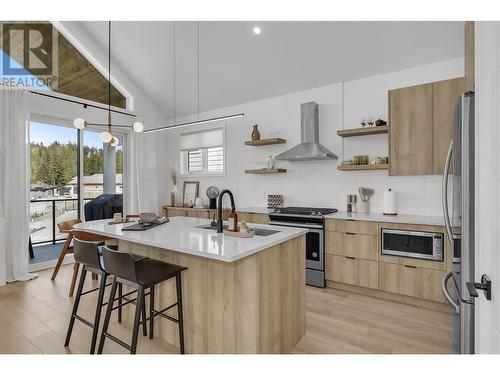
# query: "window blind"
202, 139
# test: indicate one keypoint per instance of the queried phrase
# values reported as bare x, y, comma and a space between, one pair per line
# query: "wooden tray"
250, 234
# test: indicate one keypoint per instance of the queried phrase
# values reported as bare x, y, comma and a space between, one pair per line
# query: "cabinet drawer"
411, 281
174, 213
192, 213
362, 227
253, 217
356, 245
362, 246
334, 225
352, 271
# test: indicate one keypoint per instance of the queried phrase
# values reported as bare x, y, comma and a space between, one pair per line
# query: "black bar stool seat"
141, 275
150, 272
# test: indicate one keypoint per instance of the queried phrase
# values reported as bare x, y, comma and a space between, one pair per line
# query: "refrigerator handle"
444, 193
444, 288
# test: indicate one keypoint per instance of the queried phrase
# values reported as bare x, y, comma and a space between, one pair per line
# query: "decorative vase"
172, 196
255, 133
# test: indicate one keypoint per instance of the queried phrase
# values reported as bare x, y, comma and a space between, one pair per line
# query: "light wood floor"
34, 317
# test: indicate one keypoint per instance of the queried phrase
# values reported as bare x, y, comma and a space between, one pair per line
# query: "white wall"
317, 183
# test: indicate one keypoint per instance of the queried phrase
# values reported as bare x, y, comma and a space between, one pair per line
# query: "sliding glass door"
68, 168
54, 174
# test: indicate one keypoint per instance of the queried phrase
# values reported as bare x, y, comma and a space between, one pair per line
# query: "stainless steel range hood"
309, 148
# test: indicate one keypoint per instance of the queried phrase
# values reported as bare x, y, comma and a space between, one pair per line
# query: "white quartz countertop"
399, 219
182, 235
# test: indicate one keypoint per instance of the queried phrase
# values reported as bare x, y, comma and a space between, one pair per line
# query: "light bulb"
114, 141
79, 123
106, 137
256, 30
138, 127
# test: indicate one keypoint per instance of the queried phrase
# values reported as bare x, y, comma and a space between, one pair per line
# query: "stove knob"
319, 213
315, 254
313, 213
278, 211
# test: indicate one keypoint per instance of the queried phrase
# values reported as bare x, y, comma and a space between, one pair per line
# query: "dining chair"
65, 227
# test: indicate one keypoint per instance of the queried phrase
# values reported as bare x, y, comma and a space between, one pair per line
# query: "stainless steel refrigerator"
459, 220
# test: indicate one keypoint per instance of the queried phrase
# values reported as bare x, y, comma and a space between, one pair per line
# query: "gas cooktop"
304, 211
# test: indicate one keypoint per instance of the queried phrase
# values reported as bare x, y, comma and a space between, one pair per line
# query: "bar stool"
142, 275
89, 255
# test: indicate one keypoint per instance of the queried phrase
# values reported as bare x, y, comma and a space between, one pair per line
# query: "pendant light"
198, 121
107, 136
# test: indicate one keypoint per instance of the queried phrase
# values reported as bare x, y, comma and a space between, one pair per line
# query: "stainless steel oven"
312, 219
412, 244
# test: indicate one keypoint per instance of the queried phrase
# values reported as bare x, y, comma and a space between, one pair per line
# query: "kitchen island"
240, 295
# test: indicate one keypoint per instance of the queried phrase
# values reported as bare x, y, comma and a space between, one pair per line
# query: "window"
202, 153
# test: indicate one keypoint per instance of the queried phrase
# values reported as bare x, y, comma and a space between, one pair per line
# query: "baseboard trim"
68, 259
431, 305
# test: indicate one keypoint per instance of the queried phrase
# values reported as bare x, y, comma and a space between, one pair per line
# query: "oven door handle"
285, 224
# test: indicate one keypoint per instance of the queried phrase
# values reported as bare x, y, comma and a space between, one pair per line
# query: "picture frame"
190, 190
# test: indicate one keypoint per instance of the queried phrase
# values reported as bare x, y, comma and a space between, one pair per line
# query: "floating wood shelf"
366, 167
265, 171
266, 142
363, 131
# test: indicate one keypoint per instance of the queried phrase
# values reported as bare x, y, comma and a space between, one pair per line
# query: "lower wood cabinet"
203, 213
251, 217
353, 257
355, 245
354, 271
411, 281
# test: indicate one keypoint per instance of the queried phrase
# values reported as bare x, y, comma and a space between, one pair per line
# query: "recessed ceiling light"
256, 30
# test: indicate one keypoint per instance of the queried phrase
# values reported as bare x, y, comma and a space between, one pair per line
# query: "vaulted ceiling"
237, 66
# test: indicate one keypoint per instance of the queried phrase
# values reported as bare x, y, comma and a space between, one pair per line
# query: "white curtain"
14, 196
141, 193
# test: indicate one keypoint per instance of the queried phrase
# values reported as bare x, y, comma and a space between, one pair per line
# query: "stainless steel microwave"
413, 244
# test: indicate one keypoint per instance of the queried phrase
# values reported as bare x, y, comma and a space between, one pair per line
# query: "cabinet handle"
350, 257
350, 233
407, 266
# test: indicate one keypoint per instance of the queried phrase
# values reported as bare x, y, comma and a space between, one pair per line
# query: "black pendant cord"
175, 112
109, 77
198, 64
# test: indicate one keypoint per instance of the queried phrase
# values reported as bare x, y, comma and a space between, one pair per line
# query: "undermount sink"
258, 231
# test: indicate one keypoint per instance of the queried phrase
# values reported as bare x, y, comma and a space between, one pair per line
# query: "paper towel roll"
390, 203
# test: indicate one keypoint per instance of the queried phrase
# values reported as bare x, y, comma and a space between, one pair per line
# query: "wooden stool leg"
63, 253
76, 267
179, 312
137, 319
107, 316
75, 306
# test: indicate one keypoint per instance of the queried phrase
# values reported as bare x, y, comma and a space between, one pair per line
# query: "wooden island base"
254, 305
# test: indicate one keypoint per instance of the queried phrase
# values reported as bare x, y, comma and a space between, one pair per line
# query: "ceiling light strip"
199, 122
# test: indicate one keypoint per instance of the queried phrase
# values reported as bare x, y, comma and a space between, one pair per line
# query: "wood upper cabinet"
420, 126
469, 56
410, 130
445, 96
